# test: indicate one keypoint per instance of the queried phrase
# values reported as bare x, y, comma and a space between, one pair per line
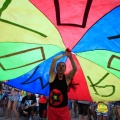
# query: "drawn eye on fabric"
25, 53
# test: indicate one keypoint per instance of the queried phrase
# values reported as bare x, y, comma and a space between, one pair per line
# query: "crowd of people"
56, 106
27, 104
21, 103
85, 110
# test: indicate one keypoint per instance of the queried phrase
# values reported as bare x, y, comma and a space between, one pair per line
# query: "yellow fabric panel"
24, 13
105, 86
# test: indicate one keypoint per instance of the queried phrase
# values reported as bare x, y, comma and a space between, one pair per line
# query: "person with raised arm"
58, 100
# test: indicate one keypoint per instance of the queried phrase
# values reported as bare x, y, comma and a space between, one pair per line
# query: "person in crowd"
75, 107
83, 107
13, 99
37, 104
4, 100
70, 106
42, 107
58, 82
112, 111
117, 109
19, 103
102, 110
93, 106
28, 105
1, 93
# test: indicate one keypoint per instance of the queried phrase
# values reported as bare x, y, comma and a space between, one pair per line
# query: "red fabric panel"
81, 92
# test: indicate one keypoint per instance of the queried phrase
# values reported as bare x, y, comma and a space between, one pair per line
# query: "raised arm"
52, 67
70, 75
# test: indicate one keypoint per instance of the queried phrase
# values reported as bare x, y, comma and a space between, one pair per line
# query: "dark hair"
59, 63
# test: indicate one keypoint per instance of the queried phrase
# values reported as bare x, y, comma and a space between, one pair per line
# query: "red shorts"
59, 113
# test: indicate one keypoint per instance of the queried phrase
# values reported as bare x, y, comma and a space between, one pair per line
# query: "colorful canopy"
33, 32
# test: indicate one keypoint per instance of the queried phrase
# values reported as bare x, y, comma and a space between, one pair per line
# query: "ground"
36, 117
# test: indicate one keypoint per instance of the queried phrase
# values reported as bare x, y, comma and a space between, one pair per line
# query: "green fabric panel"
19, 58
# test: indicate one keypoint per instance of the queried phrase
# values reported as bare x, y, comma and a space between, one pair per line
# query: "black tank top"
58, 93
